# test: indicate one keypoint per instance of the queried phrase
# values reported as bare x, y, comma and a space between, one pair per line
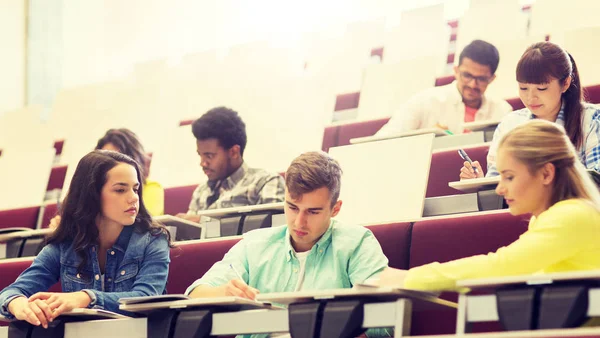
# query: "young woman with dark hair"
105, 248
550, 88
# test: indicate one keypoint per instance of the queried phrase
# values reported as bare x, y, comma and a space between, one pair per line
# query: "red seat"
11, 269
57, 178
516, 103
446, 239
177, 199
23, 217
359, 129
442, 81
58, 146
190, 260
330, 136
50, 211
445, 168
592, 94
347, 101
394, 239
377, 52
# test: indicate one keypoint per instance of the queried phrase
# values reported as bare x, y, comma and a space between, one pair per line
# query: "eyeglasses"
467, 77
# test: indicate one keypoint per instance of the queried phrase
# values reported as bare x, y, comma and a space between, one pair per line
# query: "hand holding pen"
470, 169
237, 287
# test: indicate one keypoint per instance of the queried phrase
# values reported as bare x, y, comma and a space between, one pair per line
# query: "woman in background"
125, 141
550, 89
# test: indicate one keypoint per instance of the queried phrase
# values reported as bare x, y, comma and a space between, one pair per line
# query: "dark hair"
83, 204
311, 171
544, 61
129, 144
223, 124
481, 52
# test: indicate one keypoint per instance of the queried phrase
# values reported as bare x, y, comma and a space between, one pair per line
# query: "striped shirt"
246, 186
588, 151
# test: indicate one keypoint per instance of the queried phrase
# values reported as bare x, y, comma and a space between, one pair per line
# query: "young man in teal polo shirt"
313, 252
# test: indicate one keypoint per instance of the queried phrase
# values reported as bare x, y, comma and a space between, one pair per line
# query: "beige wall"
12, 54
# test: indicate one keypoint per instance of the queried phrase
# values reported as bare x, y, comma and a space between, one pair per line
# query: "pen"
466, 157
236, 273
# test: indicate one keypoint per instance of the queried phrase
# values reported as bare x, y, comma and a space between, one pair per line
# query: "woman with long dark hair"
550, 89
106, 247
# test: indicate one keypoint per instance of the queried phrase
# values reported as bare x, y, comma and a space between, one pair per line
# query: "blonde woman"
542, 176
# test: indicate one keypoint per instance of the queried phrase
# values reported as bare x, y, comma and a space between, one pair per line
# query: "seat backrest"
57, 177
177, 199
592, 94
347, 101
23, 217
394, 239
445, 168
359, 129
50, 210
190, 260
448, 238
12, 268
330, 137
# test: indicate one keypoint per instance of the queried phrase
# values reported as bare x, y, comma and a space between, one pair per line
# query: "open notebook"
145, 304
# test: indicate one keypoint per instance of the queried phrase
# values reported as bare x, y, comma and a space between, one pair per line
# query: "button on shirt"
441, 105
588, 151
246, 186
265, 258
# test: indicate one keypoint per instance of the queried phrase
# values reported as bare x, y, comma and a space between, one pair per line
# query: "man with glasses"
463, 100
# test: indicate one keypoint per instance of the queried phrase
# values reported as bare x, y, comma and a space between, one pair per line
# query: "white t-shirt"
302, 259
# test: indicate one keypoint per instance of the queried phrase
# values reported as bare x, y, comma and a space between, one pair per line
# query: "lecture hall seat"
177, 199
50, 210
449, 238
330, 136
57, 177
22, 217
11, 269
359, 129
445, 168
347, 101
192, 259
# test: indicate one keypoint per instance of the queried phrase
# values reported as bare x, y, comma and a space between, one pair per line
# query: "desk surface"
474, 183
219, 213
480, 125
573, 333
232, 303
485, 283
24, 234
174, 221
436, 131
366, 292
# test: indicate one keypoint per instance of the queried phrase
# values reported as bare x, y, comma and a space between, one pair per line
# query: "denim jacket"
137, 265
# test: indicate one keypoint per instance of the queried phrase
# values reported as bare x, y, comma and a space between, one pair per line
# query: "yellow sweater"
566, 237
153, 195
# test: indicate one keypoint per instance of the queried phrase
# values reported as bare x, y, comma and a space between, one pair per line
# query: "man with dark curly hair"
220, 142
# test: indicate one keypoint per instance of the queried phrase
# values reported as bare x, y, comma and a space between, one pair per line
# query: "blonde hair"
539, 142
